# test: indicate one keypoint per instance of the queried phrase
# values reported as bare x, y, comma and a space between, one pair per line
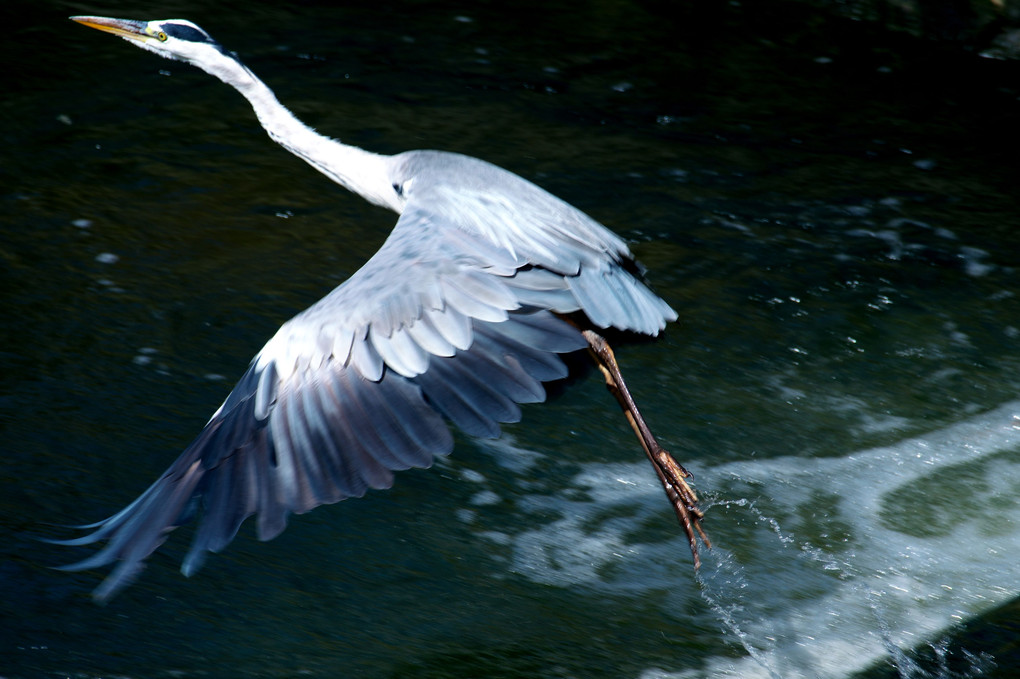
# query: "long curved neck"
363, 172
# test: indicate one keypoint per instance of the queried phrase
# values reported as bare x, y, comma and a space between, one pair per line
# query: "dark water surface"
833, 211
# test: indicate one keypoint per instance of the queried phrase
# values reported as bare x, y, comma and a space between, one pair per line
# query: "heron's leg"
670, 472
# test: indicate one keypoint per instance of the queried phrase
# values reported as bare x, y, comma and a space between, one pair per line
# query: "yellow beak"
125, 28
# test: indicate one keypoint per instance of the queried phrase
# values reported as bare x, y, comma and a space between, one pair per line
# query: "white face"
171, 38
176, 39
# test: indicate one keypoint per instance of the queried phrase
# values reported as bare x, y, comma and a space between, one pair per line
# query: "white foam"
822, 567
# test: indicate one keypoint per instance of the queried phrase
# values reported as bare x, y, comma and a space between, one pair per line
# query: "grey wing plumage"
326, 434
566, 259
453, 318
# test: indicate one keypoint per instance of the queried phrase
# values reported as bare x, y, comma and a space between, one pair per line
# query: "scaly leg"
672, 475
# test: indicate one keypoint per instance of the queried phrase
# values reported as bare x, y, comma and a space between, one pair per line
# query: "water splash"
729, 615
822, 567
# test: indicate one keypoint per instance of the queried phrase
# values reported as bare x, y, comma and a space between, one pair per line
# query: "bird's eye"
161, 36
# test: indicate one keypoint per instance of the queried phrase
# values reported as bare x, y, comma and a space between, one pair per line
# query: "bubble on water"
486, 497
973, 261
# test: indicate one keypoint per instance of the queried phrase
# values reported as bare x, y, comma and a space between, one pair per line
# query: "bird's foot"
685, 503
670, 472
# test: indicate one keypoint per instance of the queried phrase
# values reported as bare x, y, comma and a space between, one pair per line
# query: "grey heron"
460, 316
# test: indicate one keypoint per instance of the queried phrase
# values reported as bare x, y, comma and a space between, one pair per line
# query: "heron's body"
457, 316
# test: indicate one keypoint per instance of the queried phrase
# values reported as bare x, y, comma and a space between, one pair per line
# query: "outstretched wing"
445, 321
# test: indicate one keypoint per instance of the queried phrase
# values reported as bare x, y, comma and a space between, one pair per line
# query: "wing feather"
454, 326
400, 352
460, 299
359, 441
429, 338
366, 359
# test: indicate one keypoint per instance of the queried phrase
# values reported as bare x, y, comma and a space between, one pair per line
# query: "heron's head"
172, 38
